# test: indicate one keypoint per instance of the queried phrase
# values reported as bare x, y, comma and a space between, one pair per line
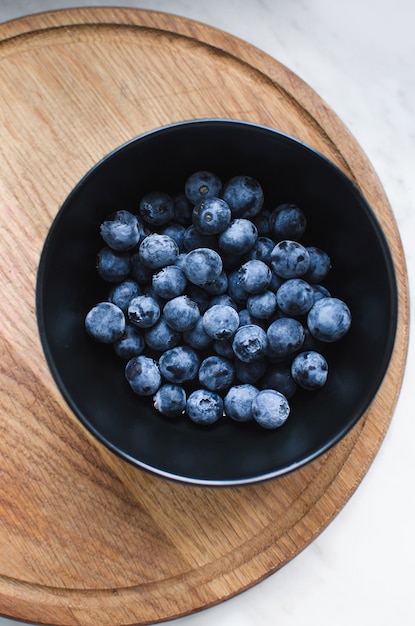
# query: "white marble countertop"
359, 56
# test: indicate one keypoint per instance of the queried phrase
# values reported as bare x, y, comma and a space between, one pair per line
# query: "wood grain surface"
85, 538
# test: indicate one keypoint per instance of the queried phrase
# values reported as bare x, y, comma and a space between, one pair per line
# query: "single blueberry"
309, 370
105, 322
254, 276
262, 305
202, 266
244, 195
121, 230
143, 375
223, 298
161, 337
169, 282
180, 364
170, 400
250, 372
211, 216
130, 344
319, 267
156, 208
113, 266
279, 377
157, 250
202, 184
181, 313
197, 337
216, 373
122, 293
235, 289
290, 259
204, 406
285, 336
295, 297
193, 239
320, 292
182, 209
261, 221
143, 311
220, 321
250, 343
245, 317
199, 295
329, 319
140, 272
287, 221
238, 238
262, 249
270, 408
238, 402
223, 347
218, 286
176, 232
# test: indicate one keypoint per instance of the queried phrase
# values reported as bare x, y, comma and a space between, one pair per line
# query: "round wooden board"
85, 538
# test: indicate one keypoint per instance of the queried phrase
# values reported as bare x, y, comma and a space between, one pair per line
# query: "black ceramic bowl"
92, 379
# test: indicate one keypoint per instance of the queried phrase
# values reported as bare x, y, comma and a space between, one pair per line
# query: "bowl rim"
79, 413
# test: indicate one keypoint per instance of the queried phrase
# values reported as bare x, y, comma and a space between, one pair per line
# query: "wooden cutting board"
85, 538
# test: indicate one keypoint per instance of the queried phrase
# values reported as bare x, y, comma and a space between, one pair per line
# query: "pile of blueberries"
215, 306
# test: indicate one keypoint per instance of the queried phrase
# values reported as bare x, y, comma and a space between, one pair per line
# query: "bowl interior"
92, 379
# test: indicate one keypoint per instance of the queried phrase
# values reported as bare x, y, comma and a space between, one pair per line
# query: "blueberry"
254, 276
235, 289
239, 237
157, 250
216, 373
309, 370
122, 293
320, 292
121, 230
143, 311
295, 297
289, 259
223, 347
179, 364
202, 184
197, 337
319, 267
261, 221
285, 336
279, 377
182, 209
202, 266
224, 298
204, 406
244, 195
329, 319
262, 249
161, 337
176, 232
193, 239
250, 343
181, 313
130, 344
270, 408
211, 216
245, 318
199, 295
170, 400
287, 221
220, 321
169, 282
156, 208
250, 372
112, 266
105, 322
218, 286
143, 375
238, 402
139, 271
262, 305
